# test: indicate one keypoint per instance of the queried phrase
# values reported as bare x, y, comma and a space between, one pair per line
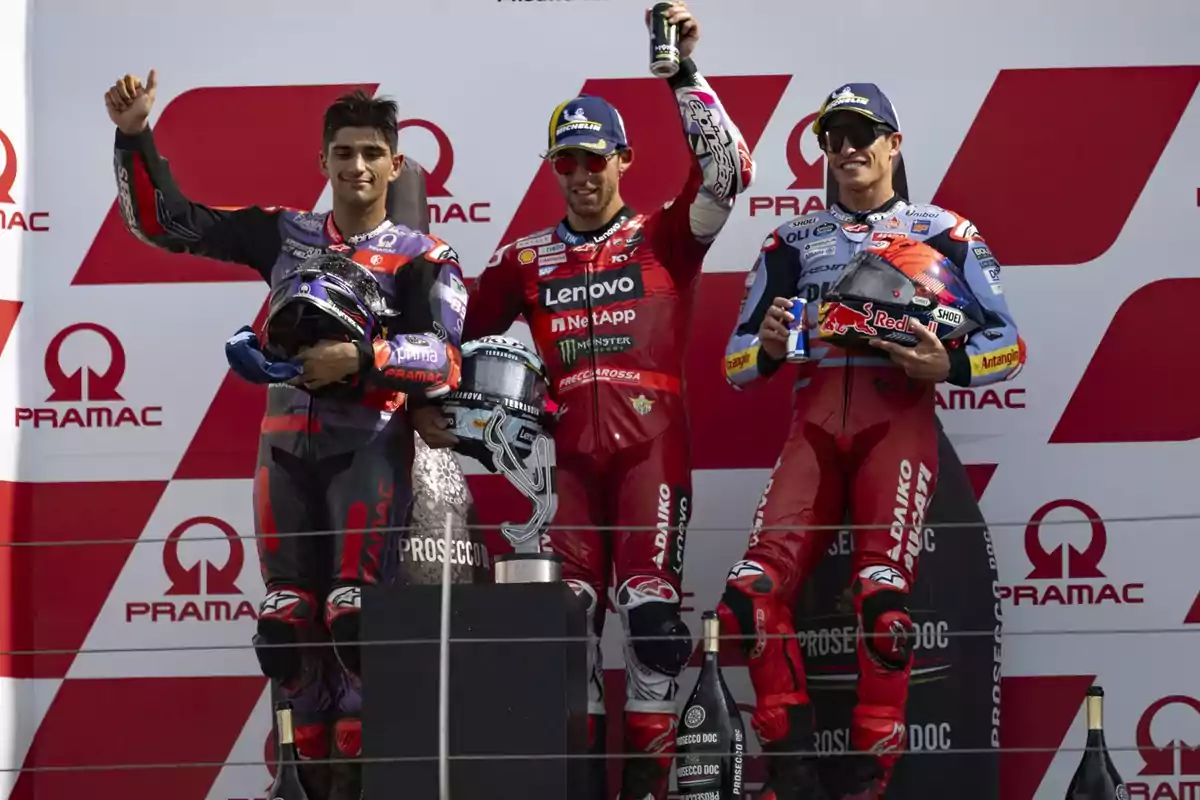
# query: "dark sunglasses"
833, 139
565, 163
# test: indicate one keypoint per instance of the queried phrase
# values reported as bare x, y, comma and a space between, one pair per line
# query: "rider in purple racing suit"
325, 462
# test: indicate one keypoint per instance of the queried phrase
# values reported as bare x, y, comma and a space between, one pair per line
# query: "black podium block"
507, 697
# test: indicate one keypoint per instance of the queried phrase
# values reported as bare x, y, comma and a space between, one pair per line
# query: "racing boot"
651, 738
311, 711
597, 768
792, 766
345, 767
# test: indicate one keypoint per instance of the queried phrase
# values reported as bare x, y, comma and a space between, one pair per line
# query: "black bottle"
287, 784
1096, 778
711, 743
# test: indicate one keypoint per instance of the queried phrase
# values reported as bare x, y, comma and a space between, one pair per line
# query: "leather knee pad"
749, 597
587, 594
347, 737
649, 607
880, 599
343, 617
283, 616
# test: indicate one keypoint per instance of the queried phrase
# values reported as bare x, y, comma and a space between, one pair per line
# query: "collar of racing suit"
574, 237
893, 204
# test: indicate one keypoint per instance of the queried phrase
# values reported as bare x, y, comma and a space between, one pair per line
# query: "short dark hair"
360, 110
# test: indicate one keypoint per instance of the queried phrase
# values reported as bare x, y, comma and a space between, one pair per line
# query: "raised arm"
721, 169
157, 212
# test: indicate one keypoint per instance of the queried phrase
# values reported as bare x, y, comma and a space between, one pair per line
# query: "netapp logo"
605, 288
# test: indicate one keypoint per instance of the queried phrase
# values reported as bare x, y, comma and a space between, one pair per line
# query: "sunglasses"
860, 136
565, 163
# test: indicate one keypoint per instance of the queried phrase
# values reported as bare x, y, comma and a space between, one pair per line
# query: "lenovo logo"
604, 288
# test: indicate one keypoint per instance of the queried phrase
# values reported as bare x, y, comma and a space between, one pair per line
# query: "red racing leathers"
609, 312
862, 446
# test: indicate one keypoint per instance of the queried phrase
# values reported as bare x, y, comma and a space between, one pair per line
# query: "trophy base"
528, 568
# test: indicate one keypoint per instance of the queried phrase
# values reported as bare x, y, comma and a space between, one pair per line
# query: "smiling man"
337, 460
862, 444
608, 296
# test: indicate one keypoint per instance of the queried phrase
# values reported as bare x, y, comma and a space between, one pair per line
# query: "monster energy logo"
573, 348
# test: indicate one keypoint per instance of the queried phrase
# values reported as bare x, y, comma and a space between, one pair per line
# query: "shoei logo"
443, 211
1066, 574
603, 288
1179, 728
203, 577
89, 385
15, 219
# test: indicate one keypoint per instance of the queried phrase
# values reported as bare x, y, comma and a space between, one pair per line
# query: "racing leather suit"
323, 464
862, 442
609, 312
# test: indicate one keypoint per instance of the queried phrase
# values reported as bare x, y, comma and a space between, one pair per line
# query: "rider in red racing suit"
608, 296
863, 441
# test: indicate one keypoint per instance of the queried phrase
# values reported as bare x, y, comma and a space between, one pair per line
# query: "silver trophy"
499, 415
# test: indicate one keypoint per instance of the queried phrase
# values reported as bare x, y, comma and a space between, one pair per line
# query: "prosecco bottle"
287, 784
1096, 778
711, 744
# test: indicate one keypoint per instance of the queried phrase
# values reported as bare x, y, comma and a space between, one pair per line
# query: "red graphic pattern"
1150, 382
67, 585
1037, 710
220, 176
1008, 161
138, 722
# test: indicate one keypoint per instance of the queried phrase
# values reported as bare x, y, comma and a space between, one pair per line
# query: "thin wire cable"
541, 757
444, 672
988, 633
970, 526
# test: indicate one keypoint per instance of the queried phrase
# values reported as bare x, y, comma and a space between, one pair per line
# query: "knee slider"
881, 599
342, 616
283, 616
650, 606
747, 585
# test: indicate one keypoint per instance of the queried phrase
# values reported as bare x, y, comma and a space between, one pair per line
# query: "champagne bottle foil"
440, 487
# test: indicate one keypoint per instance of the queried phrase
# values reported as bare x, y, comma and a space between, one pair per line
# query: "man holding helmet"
363, 312
607, 294
862, 444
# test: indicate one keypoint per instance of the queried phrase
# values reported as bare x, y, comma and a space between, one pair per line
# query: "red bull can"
797, 344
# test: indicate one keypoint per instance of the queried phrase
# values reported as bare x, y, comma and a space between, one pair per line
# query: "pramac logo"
204, 578
1081, 582
14, 219
85, 387
808, 177
436, 178
1171, 770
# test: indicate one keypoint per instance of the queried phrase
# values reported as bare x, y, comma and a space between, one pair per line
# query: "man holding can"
862, 444
607, 294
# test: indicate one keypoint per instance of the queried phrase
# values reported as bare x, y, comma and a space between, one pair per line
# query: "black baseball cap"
866, 99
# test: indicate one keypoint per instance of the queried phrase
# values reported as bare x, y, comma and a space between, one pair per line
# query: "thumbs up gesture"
129, 102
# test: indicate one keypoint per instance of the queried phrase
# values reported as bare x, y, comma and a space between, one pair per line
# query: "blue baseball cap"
589, 123
861, 98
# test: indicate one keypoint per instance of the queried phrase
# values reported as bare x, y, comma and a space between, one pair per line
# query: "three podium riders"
368, 318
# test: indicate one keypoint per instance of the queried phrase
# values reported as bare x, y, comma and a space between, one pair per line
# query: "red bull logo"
837, 319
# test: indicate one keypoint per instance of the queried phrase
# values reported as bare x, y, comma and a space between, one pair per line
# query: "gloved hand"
246, 358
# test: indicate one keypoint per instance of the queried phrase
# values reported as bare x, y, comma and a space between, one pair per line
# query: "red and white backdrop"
1074, 154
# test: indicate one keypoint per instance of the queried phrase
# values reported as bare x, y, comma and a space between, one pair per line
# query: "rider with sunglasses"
607, 294
862, 445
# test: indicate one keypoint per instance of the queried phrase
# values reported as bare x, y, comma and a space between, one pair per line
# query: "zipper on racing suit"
591, 329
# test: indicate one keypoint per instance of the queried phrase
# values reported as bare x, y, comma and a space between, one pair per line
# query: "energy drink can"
797, 344
664, 42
